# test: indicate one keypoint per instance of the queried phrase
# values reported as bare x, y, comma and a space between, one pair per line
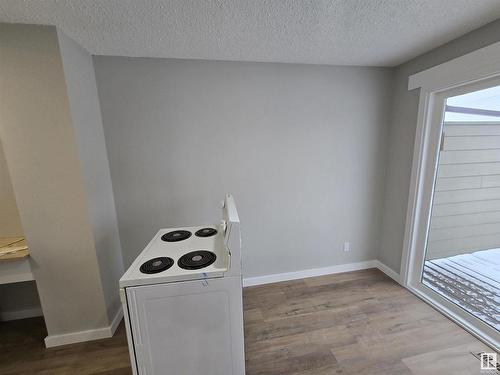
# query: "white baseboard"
388, 271
313, 272
88, 335
302, 274
20, 314
116, 320
75, 337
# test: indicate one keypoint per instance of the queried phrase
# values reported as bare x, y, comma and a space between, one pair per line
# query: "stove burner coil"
156, 265
206, 232
196, 260
176, 235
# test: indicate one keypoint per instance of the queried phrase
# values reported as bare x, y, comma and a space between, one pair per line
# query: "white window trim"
477, 66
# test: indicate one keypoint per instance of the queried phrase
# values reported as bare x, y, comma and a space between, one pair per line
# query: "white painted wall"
20, 296
10, 223
19, 300
40, 141
402, 136
89, 136
301, 148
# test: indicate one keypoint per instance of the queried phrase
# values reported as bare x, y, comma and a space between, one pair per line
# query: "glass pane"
462, 261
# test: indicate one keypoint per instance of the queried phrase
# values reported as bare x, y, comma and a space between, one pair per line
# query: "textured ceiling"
338, 32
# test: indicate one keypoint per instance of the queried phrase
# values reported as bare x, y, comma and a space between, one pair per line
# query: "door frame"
471, 72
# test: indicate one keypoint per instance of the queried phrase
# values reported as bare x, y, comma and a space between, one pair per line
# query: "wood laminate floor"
353, 323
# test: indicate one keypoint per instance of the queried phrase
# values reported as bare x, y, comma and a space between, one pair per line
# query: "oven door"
193, 327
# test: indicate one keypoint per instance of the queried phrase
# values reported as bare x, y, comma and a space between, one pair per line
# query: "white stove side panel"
128, 329
192, 328
232, 236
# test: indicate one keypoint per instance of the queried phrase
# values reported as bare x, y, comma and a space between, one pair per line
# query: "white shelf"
15, 271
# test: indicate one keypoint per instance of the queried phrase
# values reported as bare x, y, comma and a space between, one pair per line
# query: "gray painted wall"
41, 151
10, 223
18, 296
402, 136
89, 135
301, 148
19, 300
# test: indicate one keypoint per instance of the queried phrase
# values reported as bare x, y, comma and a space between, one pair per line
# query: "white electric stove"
182, 301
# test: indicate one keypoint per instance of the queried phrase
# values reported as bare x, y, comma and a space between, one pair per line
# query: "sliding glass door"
457, 262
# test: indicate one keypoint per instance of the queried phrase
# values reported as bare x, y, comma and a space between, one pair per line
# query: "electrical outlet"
347, 246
